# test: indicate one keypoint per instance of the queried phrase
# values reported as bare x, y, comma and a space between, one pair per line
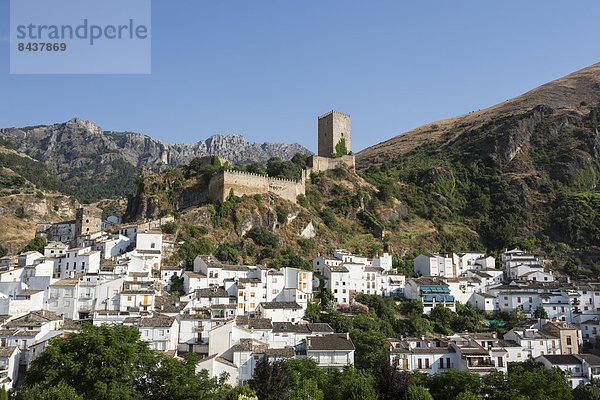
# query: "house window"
569, 340
251, 305
128, 298
420, 363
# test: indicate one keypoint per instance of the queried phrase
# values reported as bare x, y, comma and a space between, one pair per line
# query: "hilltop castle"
333, 132
333, 139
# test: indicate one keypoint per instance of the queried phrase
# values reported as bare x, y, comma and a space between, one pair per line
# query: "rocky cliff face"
81, 154
20, 213
563, 96
77, 140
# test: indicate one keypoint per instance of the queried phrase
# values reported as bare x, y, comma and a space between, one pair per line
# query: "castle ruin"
246, 183
332, 128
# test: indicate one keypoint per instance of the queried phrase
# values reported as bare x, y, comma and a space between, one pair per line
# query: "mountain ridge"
105, 163
564, 95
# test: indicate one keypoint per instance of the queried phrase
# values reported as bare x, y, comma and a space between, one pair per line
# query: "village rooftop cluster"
233, 316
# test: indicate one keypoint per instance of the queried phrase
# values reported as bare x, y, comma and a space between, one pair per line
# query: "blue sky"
267, 69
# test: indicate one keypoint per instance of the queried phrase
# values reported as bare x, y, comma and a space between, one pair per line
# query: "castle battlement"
248, 183
274, 178
334, 127
334, 112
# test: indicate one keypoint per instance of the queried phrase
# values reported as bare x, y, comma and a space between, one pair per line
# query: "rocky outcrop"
74, 143
20, 213
104, 164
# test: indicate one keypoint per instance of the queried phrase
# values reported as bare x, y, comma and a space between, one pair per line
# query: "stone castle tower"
88, 220
333, 127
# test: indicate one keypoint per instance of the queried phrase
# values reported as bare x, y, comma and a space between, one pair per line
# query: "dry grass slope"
563, 94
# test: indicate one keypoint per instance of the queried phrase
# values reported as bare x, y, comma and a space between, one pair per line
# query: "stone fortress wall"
332, 127
245, 183
320, 164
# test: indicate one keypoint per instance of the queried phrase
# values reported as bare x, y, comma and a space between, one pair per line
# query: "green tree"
327, 298
571, 269
448, 385
262, 237
329, 218
256, 168
306, 390
176, 285
417, 393
313, 312
587, 392
351, 384
441, 317
111, 362
228, 253
540, 312
35, 244
392, 383
467, 396
271, 380
61, 391
3, 393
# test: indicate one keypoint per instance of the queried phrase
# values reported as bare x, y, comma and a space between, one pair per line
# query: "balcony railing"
482, 364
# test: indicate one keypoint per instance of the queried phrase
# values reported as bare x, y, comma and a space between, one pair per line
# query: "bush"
35, 244
282, 214
170, 228
228, 253
329, 218
262, 237
307, 245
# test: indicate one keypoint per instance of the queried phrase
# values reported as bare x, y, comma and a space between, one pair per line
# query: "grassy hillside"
340, 210
564, 94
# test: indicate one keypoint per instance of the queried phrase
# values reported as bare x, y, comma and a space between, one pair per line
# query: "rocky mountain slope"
339, 210
564, 96
104, 164
524, 172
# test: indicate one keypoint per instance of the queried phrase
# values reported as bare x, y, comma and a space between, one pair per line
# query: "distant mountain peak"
563, 94
90, 126
78, 150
